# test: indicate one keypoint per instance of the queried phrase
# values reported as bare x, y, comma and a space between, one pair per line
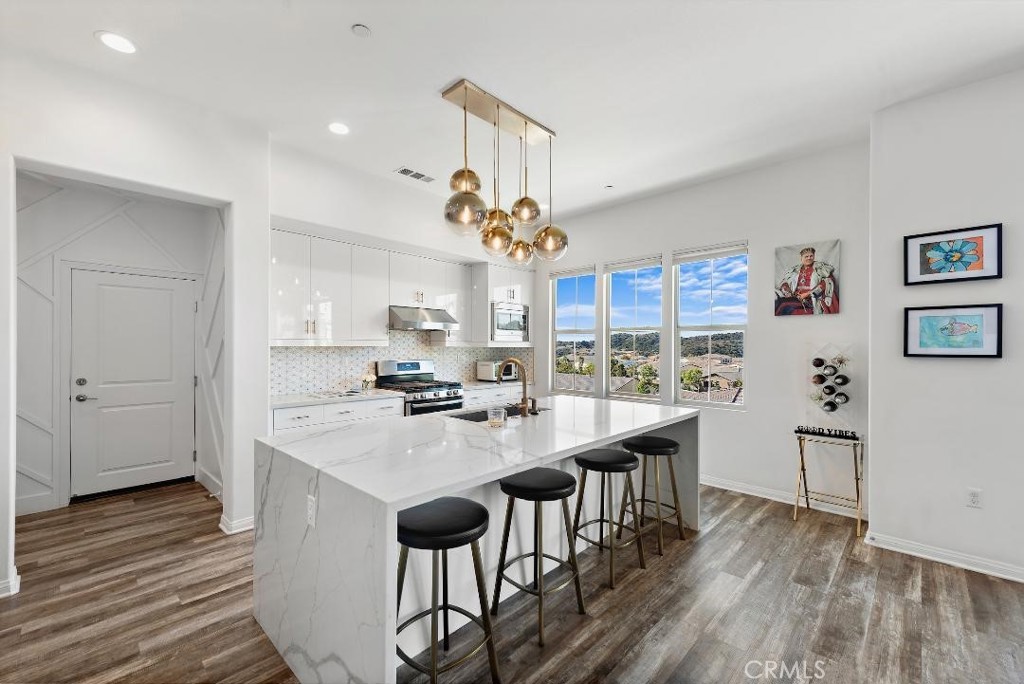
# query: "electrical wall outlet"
973, 498
311, 510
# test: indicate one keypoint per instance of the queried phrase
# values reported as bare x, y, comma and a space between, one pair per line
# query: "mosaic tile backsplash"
300, 370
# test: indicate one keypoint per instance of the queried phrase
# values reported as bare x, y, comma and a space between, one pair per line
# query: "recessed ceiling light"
338, 128
361, 30
115, 41
608, 187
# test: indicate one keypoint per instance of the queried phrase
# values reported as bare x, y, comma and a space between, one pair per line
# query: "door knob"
82, 397
81, 381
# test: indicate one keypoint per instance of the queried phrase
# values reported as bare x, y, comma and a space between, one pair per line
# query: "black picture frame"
910, 241
992, 349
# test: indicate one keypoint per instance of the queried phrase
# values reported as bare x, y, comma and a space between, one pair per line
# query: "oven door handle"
436, 403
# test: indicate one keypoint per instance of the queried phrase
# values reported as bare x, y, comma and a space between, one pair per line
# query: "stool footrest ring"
455, 663
611, 532
547, 590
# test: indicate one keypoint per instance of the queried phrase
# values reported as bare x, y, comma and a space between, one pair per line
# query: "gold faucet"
524, 405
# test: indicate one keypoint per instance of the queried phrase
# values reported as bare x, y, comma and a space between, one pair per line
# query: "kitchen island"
326, 555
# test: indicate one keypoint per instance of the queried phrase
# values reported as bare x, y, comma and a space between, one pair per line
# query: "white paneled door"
132, 392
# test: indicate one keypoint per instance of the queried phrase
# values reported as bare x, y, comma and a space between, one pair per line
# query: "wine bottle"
841, 380
818, 379
841, 398
829, 406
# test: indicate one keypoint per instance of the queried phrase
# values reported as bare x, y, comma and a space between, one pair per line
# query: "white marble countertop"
487, 384
292, 400
404, 461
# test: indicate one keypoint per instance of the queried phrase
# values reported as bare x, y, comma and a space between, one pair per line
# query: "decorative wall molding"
10, 587
947, 556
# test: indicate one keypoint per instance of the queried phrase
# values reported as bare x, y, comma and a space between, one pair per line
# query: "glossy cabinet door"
370, 299
405, 283
330, 286
500, 282
289, 286
458, 279
521, 286
432, 283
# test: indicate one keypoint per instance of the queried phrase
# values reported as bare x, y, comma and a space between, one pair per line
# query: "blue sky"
713, 292
574, 303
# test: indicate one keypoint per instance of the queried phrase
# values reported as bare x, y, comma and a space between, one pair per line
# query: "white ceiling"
643, 95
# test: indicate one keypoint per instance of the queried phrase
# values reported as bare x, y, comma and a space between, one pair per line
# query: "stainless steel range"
423, 394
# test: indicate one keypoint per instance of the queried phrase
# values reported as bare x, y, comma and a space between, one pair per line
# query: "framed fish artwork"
953, 255
954, 331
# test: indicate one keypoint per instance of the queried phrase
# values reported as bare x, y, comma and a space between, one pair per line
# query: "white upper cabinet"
417, 281
289, 286
324, 292
510, 285
370, 295
456, 300
330, 285
432, 283
406, 287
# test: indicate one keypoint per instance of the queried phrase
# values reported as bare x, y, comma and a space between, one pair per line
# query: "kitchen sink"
481, 415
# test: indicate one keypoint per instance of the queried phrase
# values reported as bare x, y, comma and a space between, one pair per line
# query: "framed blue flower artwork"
947, 331
953, 255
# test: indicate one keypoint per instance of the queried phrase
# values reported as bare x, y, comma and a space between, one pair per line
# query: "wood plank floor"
144, 587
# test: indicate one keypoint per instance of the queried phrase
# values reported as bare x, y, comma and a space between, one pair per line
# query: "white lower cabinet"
489, 395
326, 416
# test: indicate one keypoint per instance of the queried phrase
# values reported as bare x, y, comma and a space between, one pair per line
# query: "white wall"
62, 221
939, 426
814, 198
73, 124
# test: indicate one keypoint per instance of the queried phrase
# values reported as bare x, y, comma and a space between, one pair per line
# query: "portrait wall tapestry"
807, 279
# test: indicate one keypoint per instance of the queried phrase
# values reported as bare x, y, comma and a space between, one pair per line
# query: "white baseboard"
776, 495
210, 481
236, 526
10, 587
955, 558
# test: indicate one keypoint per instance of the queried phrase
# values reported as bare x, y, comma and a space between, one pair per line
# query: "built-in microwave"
510, 322
488, 370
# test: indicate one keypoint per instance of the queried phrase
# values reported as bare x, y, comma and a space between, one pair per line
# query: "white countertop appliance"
423, 394
489, 370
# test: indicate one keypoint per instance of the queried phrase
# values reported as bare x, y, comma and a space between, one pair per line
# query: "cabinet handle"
299, 417
341, 413
314, 326
384, 408
307, 326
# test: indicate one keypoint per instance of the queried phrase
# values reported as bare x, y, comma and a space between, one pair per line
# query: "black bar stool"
607, 462
647, 446
539, 485
439, 525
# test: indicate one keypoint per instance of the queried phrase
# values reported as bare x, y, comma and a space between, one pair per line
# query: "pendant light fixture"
496, 236
550, 243
465, 210
525, 210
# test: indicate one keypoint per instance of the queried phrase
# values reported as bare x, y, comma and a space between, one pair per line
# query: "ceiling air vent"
415, 175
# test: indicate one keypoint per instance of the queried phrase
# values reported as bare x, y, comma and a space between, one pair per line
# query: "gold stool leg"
570, 538
433, 617
485, 614
675, 498
403, 561
444, 596
657, 504
799, 478
611, 536
600, 519
622, 515
538, 548
636, 523
857, 474
643, 491
503, 555
579, 502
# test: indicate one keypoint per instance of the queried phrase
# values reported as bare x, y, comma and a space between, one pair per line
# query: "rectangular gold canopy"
483, 105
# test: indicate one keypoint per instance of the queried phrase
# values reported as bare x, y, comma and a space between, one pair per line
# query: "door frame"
62, 468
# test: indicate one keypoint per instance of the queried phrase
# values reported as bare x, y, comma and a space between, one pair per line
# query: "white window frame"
555, 331
610, 269
692, 256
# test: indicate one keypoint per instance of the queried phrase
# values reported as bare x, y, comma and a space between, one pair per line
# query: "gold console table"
854, 503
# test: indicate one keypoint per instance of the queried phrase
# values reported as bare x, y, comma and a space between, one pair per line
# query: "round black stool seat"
652, 446
443, 523
539, 484
608, 461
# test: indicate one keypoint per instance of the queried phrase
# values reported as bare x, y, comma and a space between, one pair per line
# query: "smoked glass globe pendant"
465, 211
550, 243
496, 234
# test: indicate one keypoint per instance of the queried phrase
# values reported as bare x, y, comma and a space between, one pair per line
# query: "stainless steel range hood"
420, 318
